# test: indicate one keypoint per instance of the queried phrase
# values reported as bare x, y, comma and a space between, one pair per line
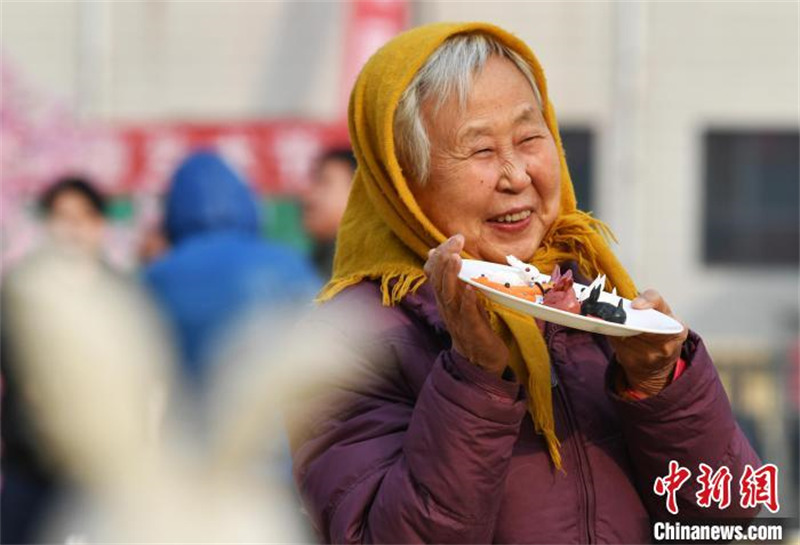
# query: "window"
578, 142
751, 197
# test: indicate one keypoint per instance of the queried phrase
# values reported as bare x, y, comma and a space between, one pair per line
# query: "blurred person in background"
474, 423
218, 269
324, 203
74, 212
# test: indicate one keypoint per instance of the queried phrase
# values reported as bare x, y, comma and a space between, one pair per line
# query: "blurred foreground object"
93, 367
88, 364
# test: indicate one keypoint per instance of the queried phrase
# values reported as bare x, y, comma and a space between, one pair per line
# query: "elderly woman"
477, 424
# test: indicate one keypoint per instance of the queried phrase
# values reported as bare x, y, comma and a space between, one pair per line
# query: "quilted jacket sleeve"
381, 467
691, 422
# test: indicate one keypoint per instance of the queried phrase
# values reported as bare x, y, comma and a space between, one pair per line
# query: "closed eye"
483, 152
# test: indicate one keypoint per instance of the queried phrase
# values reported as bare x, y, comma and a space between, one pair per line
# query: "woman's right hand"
463, 313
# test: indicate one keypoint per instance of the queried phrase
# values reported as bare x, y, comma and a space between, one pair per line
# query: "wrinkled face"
73, 222
494, 170
326, 199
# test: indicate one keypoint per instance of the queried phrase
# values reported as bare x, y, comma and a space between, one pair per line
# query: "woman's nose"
514, 176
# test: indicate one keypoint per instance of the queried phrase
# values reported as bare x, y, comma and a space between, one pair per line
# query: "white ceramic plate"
638, 321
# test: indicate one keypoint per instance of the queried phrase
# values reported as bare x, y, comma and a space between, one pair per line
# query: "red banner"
275, 157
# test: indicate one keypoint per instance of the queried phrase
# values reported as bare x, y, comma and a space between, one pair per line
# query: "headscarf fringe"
334, 287
395, 285
539, 399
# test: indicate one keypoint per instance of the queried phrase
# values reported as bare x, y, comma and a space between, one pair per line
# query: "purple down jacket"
426, 447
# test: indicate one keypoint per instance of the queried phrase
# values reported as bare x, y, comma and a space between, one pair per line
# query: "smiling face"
494, 168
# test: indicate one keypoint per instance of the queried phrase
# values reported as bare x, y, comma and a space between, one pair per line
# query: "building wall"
40, 40
181, 60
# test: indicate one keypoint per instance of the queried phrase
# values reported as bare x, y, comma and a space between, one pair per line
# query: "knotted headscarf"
385, 235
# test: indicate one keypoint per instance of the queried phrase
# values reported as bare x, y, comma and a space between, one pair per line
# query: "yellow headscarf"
384, 234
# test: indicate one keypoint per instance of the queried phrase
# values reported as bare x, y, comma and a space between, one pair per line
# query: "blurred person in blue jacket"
218, 270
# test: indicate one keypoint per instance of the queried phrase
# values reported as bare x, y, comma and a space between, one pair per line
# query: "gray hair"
449, 70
